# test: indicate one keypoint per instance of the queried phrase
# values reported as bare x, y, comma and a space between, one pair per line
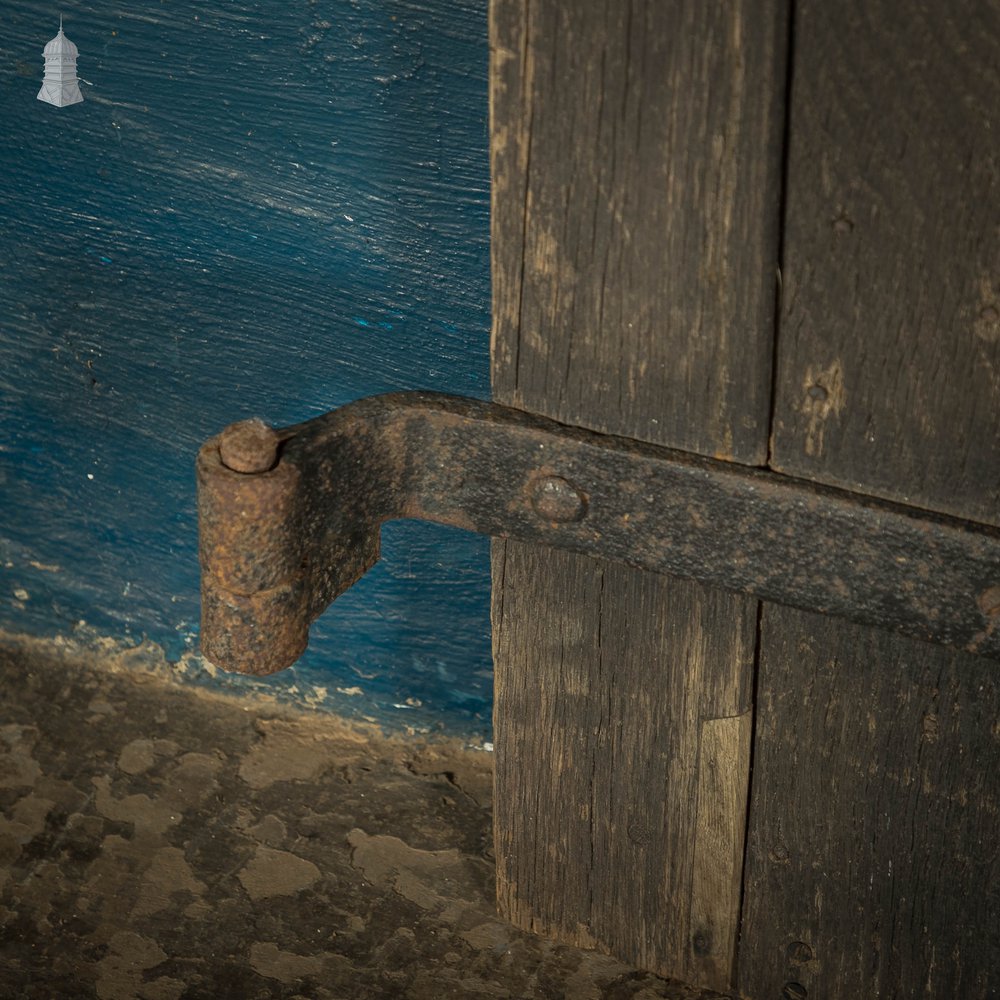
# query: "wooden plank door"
637, 168
874, 846
636, 152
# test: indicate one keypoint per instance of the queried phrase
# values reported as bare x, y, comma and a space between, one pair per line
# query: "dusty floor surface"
159, 842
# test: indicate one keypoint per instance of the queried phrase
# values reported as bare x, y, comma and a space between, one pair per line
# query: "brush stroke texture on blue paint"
259, 209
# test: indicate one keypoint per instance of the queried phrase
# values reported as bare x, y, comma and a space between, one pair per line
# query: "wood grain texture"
635, 154
622, 742
718, 836
873, 858
888, 377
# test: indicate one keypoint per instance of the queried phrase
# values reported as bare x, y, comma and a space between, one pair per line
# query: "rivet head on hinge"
249, 446
555, 499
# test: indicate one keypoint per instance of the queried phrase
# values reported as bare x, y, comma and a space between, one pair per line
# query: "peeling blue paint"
256, 211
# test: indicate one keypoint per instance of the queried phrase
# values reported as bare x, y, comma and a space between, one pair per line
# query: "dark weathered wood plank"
873, 861
635, 151
872, 853
622, 732
888, 375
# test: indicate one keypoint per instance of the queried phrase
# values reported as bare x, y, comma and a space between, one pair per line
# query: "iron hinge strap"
289, 519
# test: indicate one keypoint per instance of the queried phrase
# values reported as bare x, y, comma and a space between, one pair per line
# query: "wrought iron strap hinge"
289, 519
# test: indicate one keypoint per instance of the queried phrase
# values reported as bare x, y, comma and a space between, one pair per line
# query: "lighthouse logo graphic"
60, 86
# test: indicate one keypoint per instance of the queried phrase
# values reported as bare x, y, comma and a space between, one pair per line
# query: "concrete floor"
161, 842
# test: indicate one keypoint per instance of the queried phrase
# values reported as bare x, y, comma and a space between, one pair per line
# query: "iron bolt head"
555, 499
799, 952
249, 446
778, 853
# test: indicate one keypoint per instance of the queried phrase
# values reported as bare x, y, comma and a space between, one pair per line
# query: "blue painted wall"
260, 209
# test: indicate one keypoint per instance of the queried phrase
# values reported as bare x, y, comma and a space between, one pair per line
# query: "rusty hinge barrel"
280, 540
